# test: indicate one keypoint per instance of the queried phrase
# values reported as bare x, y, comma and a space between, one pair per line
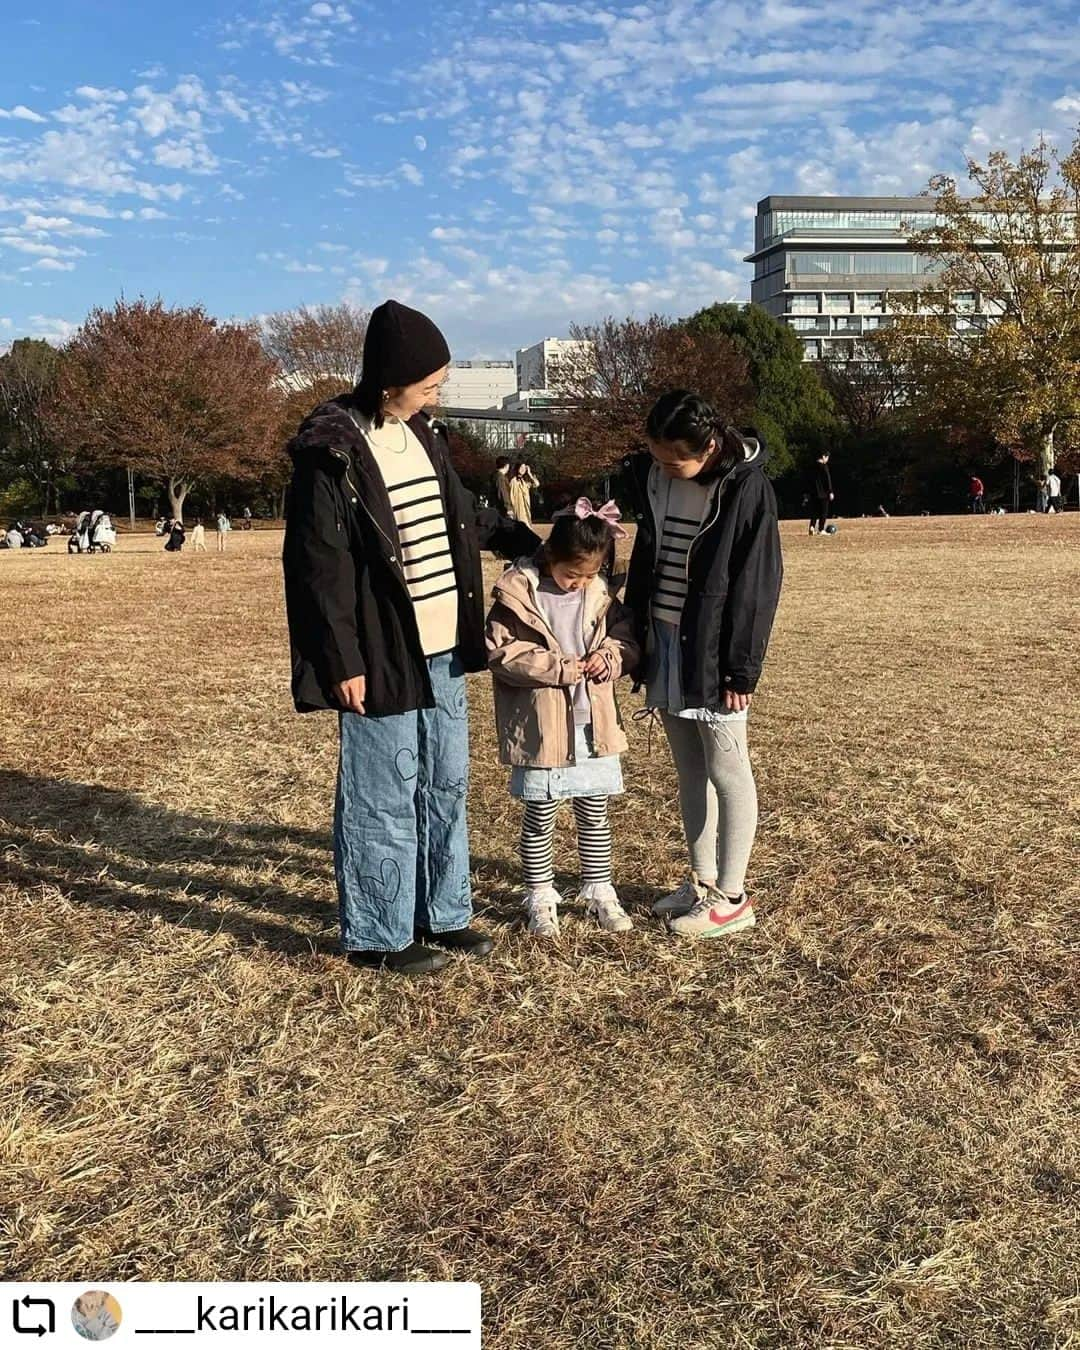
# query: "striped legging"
594, 841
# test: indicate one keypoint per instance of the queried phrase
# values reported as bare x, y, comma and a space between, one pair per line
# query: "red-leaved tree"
171, 393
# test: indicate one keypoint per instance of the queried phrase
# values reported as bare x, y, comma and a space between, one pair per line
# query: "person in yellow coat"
522, 482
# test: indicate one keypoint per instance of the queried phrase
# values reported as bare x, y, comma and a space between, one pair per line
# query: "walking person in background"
976, 493
198, 537
1053, 492
703, 585
175, 541
521, 485
821, 494
500, 486
557, 641
247, 518
384, 593
223, 527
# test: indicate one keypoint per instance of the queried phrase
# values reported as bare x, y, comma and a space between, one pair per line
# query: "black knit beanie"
401, 346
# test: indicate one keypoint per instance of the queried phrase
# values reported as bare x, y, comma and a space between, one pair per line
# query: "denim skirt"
590, 775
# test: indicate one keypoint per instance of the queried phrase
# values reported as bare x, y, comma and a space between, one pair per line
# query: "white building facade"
827, 265
479, 385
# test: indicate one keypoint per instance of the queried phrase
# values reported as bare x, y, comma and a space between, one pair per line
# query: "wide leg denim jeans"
401, 848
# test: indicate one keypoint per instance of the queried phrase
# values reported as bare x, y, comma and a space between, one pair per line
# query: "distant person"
500, 486
522, 483
1040, 495
198, 537
1053, 492
247, 518
821, 494
557, 636
175, 541
161, 528
224, 525
976, 495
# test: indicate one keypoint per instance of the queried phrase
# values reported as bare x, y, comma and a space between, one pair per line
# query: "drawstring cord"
650, 715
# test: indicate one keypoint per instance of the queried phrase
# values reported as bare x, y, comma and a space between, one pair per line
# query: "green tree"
29, 449
791, 408
992, 351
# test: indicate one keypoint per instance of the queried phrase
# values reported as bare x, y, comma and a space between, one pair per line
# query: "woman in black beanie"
384, 593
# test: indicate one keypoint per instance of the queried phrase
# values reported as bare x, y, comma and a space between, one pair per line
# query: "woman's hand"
734, 702
597, 668
352, 693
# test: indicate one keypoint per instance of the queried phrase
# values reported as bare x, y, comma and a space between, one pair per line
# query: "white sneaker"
542, 911
681, 901
602, 904
714, 916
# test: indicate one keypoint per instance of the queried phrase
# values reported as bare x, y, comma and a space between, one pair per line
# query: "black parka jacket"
734, 570
348, 607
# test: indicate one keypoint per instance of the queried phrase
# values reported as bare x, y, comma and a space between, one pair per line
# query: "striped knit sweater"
687, 503
421, 524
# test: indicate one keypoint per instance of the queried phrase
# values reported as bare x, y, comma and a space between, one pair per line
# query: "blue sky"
508, 167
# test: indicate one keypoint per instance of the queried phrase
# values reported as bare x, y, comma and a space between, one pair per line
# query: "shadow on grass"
110, 848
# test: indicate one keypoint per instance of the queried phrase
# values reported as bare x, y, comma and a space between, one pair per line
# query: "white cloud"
54, 265
294, 266
420, 142
55, 331
21, 113
94, 95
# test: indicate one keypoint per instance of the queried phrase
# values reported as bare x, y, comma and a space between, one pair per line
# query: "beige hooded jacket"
535, 679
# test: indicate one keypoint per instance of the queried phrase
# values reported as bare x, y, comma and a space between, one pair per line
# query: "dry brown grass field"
854, 1126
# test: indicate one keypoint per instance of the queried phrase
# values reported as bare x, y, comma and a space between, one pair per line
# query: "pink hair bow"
609, 513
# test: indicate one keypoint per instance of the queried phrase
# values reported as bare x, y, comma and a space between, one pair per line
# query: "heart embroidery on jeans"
386, 886
405, 763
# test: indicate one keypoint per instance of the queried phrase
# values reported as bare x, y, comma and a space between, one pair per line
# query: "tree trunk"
1046, 452
177, 495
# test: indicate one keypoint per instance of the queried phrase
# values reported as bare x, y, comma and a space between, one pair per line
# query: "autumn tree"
29, 449
318, 346
991, 350
171, 393
610, 383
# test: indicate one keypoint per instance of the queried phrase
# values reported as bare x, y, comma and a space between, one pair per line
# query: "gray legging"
717, 795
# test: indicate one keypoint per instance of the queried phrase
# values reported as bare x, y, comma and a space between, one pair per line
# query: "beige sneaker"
602, 904
681, 901
714, 916
542, 911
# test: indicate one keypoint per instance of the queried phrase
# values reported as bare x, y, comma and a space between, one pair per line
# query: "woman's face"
406, 402
678, 459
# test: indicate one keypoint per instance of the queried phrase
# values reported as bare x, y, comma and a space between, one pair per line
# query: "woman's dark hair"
502, 462
368, 397
574, 538
521, 464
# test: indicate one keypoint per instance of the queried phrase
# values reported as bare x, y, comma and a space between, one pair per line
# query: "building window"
811, 351
850, 324
964, 302
803, 304
820, 264
882, 263
837, 302
870, 302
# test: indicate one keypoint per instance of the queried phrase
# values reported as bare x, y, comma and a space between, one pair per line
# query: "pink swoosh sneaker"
715, 916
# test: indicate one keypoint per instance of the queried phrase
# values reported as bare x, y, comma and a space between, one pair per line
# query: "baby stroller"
93, 533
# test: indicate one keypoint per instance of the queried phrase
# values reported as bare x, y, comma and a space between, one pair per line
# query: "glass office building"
826, 265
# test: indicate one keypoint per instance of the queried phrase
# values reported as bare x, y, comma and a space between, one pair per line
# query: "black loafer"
468, 941
414, 960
